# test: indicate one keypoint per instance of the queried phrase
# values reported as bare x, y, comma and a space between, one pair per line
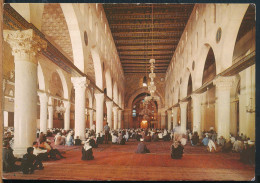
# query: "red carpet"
119, 162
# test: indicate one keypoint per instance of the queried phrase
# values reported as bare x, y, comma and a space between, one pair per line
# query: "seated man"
221, 141
211, 146
121, 139
176, 150
77, 141
194, 139
59, 140
205, 140
114, 138
155, 137
92, 142
9, 159
141, 148
87, 153
52, 152
227, 147
183, 140
40, 153
99, 139
237, 146
30, 162
69, 139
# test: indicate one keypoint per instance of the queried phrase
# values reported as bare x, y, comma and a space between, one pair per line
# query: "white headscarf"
87, 146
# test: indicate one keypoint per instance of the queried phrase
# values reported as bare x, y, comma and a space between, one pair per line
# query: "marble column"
196, 101
109, 105
119, 119
169, 115
90, 118
80, 84
43, 111
50, 121
174, 120
163, 120
183, 106
223, 87
99, 112
115, 110
25, 46
67, 115
5, 119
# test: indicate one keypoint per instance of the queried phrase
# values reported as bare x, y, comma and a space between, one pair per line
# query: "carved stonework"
80, 82
224, 83
25, 44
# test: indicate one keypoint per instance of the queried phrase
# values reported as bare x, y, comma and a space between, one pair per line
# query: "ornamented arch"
115, 93
97, 67
185, 80
143, 90
108, 84
76, 35
64, 83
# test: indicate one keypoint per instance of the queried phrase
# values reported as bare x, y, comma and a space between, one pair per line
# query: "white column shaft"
169, 115
183, 106
115, 109
109, 105
90, 118
119, 118
43, 112
50, 122
174, 117
99, 112
5, 119
196, 100
67, 115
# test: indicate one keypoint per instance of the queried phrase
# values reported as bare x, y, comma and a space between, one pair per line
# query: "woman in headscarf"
69, 139
87, 153
176, 150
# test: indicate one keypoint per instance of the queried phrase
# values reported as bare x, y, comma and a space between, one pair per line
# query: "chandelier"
60, 109
152, 75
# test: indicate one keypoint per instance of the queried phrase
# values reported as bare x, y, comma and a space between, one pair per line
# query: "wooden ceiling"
131, 26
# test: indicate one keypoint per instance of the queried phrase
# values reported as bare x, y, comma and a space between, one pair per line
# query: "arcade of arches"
75, 66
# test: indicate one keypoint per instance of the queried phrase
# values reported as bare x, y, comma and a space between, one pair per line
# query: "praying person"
9, 159
30, 162
176, 150
141, 148
87, 153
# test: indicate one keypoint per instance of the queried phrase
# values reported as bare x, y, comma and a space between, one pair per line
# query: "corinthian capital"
79, 82
25, 44
224, 83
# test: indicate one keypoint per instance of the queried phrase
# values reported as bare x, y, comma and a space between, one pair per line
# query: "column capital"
80, 82
183, 105
43, 97
115, 108
25, 44
99, 96
109, 103
224, 83
196, 96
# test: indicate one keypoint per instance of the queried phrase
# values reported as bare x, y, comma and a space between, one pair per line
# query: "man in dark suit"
141, 148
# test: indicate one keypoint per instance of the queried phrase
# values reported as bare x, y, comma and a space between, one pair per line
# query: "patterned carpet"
119, 162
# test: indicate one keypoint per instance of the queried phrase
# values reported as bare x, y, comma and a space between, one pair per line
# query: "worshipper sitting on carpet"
195, 139
141, 148
183, 140
42, 137
237, 146
114, 138
52, 152
126, 136
77, 141
155, 137
100, 139
176, 150
69, 139
205, 140
166, 136
59, 140
30, 162
92, 142
121, 139
9, 159
87, 153
247, 155
148, 138
227, 147
211, 146
42, 154
232, 139
221, 141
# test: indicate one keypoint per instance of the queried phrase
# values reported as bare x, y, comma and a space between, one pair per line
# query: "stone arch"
76, 36
115, 93
41, 78
120, 100
176, 93
144, 90
90, 98
64, 84
108, 84
185, 82
97, 67
198, 72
